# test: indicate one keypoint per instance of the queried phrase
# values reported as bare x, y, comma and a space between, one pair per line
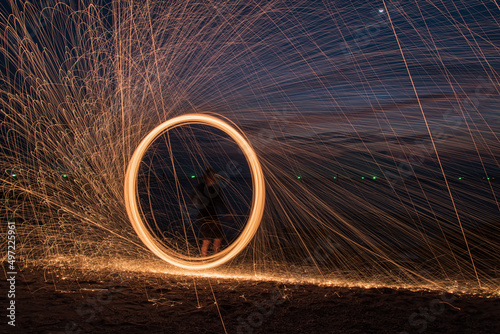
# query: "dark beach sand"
49, 301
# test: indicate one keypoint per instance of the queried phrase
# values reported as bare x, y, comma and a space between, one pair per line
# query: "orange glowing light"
258, 196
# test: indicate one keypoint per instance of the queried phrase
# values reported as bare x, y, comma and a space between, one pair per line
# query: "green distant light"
488, 178
374, 177
65, 176
334, 177
299, 177
13, 175
460, 178
362, 177
193, 176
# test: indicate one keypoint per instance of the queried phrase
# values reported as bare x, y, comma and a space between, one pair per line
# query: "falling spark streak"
434, 147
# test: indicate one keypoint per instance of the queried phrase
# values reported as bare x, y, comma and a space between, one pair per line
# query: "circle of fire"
258, 195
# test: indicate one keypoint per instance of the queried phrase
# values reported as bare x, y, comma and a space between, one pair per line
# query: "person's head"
209, 176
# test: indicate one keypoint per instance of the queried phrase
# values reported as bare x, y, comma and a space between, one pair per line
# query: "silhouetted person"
208, 197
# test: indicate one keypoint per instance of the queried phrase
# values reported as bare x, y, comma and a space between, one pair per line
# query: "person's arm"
224, 203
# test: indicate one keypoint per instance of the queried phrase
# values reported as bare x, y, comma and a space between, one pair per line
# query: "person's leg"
217, 243
204, 247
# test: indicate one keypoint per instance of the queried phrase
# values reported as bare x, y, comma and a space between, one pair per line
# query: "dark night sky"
332, 72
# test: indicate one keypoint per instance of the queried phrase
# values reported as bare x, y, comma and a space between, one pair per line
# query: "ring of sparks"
258, 195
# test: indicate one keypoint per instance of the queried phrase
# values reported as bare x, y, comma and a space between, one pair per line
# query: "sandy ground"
53, 302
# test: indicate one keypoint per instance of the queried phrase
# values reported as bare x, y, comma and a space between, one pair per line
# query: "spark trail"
376, 126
